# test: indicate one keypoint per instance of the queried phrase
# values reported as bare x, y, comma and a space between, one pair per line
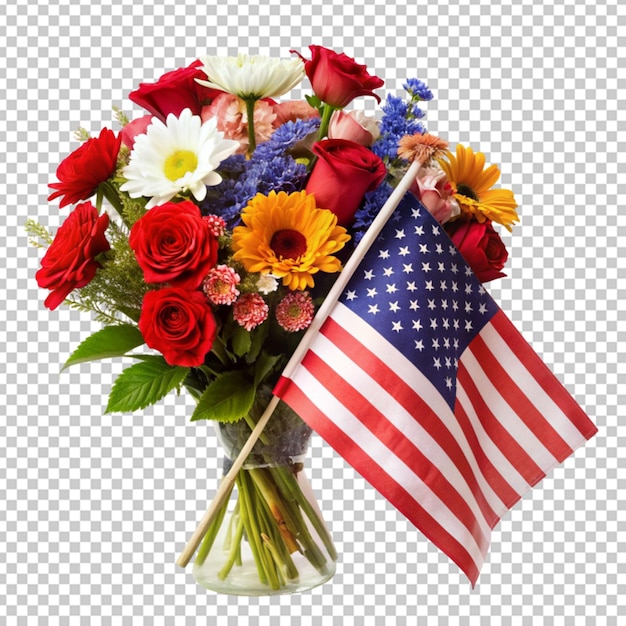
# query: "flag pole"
422, 153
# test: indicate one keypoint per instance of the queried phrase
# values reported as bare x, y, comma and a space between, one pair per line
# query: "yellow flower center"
179, 163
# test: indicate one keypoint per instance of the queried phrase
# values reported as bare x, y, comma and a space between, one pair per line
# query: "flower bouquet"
206, 234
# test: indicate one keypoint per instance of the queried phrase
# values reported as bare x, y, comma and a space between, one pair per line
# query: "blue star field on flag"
420, 294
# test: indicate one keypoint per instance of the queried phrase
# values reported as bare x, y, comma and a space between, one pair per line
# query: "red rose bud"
84, 169
481, 247
175, 91
336, 78
179, 324
69, 262
174, 245
343, 173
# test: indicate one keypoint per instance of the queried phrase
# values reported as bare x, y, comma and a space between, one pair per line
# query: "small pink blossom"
354, 126
220, 286
250, 310
232, 118
295, 311
436, 194
134, 128
293, 110
216, 224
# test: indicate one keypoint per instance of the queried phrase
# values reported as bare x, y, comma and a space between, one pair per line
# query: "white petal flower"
178, 156
266, 284
252, 77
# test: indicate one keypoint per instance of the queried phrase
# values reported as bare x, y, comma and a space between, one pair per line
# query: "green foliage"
82, 134
120, 116
40, 236
110, 341
143, 384
130, 209
264, 366
241, 340
118, 287
227, 399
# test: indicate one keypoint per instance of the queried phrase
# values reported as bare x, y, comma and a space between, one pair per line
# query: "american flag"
424, 386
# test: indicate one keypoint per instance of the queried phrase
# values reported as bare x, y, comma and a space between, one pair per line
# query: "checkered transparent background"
94, 508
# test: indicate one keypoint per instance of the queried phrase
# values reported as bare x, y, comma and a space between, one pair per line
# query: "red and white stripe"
452, 474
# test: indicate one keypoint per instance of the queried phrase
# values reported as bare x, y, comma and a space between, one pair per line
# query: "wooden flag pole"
337, 289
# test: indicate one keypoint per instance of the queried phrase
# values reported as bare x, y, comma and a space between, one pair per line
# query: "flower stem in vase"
274, 540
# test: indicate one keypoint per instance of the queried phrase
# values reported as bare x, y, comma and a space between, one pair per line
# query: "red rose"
173, 244
69, 262
481, 246
343, 173
336, 78
175, 91
82, 171
179, 324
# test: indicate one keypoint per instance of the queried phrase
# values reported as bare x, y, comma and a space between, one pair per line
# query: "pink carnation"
293, 110
295, 311
250, 310
216, 224
220, 286
232, 119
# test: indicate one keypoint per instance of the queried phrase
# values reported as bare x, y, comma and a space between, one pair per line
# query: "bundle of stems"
274, 516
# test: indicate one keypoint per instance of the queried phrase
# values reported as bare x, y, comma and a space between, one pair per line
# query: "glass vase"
269, 537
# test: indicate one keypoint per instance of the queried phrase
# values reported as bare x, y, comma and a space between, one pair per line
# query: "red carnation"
174, 245
70, 261
82, 171
179, 324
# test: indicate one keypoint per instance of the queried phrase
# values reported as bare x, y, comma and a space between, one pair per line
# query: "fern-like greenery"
40, 236
117, 290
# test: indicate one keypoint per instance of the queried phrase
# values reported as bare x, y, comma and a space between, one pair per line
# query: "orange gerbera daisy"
287, 236
473, 187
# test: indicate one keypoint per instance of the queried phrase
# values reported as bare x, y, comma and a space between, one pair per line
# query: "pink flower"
250, 310
295, 311
216, 224
354, 126
220, 286
436, 194
232, 119
293, 110
134, 128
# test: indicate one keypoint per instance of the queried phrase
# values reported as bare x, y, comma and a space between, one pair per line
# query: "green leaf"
263, 366
143, 384
241, 340
227, 399
314, 101
258, 336
110, 341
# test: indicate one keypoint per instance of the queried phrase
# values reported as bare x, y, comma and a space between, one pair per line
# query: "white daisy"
252, 77
178, 156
